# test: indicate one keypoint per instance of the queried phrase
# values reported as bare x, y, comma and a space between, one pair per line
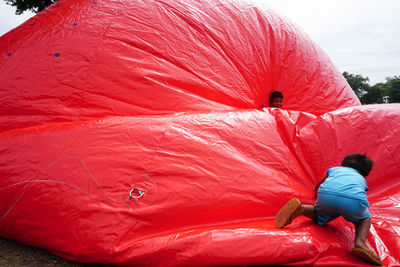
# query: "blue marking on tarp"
57, 54
9, 54
75, 24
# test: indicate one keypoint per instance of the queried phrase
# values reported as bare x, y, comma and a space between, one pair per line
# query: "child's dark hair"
275, 94
360, 162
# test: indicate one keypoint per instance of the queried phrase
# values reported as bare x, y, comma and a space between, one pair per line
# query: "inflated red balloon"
132, 133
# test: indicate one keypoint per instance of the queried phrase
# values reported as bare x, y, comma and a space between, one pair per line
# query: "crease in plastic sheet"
132, 133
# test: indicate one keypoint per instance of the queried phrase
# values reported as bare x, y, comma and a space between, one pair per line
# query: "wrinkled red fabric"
103, 100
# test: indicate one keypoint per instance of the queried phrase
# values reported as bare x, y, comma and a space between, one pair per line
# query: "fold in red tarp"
132, 134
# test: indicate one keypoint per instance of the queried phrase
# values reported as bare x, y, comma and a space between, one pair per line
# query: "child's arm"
320, 182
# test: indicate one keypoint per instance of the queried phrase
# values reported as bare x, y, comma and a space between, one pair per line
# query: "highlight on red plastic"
133, 133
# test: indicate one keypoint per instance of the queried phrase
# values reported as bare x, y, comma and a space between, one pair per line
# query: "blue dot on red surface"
57, 54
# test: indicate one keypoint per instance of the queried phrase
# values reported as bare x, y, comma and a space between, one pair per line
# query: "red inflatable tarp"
132, 133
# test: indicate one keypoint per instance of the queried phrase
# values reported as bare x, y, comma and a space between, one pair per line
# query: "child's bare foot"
362, 245
288, 213
365, 253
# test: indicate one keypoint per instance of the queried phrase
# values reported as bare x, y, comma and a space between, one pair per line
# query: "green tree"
374, 95
32, 5
358, 83
393, 89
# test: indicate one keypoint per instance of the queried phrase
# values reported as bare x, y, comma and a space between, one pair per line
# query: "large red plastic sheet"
99, 98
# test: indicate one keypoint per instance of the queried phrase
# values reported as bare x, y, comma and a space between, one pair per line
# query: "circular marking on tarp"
145, 187
57, 54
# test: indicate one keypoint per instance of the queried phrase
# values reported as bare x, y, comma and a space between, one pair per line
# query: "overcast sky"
360, 36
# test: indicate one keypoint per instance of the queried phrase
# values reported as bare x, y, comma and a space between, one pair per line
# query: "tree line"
32, 5
386, 92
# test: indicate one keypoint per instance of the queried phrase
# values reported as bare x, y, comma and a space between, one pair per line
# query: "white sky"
360, 36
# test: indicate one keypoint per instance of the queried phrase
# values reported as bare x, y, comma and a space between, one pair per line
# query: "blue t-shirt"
346, 182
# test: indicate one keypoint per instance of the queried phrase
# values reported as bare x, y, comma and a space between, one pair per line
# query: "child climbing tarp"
132, 134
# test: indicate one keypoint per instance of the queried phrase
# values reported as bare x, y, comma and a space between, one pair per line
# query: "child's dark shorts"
328, 207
